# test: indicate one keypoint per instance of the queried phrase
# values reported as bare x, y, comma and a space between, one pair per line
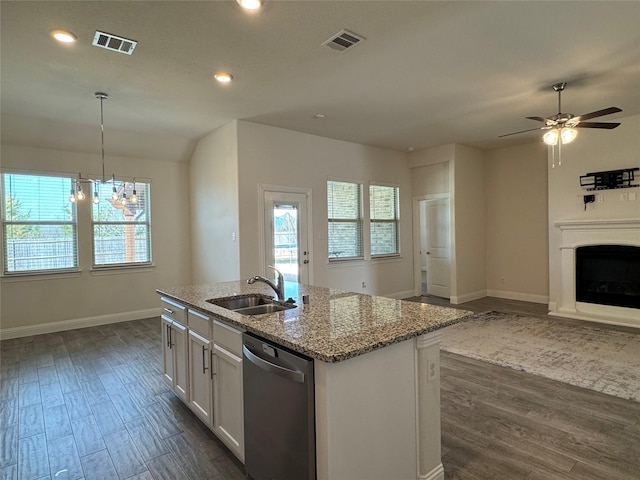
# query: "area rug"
606, 361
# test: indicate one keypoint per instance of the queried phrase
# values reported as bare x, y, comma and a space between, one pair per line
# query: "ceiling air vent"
114, 43
343, 40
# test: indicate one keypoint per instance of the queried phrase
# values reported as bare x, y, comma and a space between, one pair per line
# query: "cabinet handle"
213, 370
168, 328
168, 310
170, 337
204, 368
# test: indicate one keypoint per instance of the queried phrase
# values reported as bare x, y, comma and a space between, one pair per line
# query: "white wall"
468, 224
213, 174
430, 179
516, 223
592, 151
74, 300
275, 156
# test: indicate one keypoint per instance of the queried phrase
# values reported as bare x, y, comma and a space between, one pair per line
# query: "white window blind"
384, 214
39, 224
344, 207
121, 231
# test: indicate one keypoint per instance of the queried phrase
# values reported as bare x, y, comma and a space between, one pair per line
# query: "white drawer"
228, 337
200, 323
173, 310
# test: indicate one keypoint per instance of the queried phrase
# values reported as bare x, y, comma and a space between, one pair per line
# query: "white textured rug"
606, 361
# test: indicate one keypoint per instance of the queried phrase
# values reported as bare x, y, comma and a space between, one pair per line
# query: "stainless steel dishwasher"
279, 412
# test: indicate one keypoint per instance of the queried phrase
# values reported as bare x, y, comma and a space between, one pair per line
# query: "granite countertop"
334, 326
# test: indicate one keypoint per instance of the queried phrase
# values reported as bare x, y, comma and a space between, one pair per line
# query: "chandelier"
77, 193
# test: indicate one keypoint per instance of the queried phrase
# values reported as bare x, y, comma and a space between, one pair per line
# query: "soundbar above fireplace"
608, 275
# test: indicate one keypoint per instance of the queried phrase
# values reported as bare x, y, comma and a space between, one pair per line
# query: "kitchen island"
376, 361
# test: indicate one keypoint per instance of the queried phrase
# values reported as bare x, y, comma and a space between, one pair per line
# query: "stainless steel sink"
251, 304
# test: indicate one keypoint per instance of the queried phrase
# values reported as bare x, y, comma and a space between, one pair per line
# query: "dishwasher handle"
272, 368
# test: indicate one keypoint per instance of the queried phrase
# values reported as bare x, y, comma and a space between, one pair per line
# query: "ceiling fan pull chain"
559, 154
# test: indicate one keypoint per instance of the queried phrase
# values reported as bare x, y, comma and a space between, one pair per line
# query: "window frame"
73, 223
395, 221
146, 223
359, 221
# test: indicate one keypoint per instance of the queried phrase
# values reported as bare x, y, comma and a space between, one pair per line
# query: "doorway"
286, 235
433, 239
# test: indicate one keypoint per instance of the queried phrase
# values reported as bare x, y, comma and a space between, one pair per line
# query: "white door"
286, 235
437, 247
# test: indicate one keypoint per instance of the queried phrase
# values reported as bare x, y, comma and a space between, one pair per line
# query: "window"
344, 206
121, 226
384, 214
39, 224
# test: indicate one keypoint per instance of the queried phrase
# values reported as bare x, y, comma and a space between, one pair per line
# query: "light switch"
233, 236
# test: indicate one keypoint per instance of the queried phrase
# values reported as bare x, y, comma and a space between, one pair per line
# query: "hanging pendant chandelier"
77, 193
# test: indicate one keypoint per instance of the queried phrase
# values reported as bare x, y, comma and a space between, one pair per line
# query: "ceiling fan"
562, 125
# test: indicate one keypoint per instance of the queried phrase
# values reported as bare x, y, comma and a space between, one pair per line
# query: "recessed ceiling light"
250, 4
410, 149
319, 115
223, 77
64, 36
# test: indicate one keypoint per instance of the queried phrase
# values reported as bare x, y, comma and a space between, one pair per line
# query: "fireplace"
607, 249
608, 275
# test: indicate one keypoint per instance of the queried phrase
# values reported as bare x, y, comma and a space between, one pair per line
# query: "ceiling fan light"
568, 135
551, 137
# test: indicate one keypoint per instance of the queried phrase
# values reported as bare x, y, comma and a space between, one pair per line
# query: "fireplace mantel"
581, 232
590, 224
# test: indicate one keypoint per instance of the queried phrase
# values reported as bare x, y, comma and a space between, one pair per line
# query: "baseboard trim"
52, 327
435, 474
401, 295
467, 297
525, 297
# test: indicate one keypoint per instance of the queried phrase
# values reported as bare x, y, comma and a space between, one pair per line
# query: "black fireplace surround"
608, 275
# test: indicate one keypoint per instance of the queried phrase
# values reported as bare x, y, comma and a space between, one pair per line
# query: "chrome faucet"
277, 287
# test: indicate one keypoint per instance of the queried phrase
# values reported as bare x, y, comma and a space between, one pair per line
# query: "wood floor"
91, 404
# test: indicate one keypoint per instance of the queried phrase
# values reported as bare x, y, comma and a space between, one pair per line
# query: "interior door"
286, 235
438, 246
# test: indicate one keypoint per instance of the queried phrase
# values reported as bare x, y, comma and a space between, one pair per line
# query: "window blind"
344, 208
121, 231
384, 215
39, 224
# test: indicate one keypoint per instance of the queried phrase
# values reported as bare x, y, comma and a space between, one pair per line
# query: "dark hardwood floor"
90, 403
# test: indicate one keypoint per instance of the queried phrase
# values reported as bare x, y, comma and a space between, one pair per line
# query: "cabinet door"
167, 351
200, 376
180, 347
227, 399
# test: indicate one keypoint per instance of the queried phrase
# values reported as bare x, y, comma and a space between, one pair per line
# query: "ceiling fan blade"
539, 119
598, 113
523, 131
606, 125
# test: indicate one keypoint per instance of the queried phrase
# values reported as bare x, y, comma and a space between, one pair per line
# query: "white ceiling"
429, 72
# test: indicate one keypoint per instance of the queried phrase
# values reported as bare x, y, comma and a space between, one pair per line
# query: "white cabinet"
228, 420
200, 392
168, 364
180, 347
202, 362
175, 348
